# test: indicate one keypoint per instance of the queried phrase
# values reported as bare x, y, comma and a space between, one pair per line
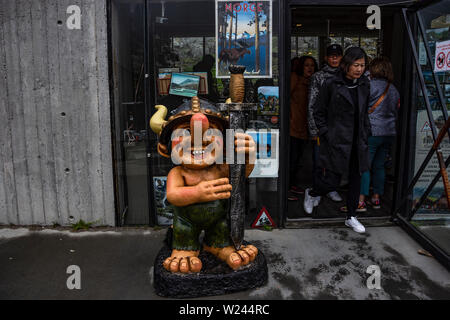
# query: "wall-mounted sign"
244, 37
263, 219
442, 56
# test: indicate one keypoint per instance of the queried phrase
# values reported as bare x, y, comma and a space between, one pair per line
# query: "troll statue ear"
163, 151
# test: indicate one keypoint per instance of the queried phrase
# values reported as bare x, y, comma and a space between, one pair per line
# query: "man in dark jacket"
333, 59
341, 117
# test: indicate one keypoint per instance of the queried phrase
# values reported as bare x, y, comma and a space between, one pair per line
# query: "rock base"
216, 277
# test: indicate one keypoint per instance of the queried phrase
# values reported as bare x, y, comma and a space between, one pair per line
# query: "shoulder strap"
380, 99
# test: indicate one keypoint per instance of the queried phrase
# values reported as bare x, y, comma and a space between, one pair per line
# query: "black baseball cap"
334, 49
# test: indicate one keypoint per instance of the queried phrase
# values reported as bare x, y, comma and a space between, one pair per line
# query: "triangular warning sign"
426, 126
263, 219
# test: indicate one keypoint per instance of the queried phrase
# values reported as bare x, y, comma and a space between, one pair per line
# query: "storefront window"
305, 46
433, 217
369, 44
184, 36
127, 23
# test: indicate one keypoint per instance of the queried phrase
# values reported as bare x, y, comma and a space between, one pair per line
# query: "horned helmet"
183, 117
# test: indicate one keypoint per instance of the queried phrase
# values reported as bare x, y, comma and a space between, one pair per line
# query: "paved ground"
303, 264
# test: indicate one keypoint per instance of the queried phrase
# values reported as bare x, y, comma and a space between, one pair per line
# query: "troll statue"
199, 187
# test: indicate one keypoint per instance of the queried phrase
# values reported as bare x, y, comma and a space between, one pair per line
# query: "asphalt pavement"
325, 263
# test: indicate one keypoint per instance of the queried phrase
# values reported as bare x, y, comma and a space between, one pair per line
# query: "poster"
266, 165
268, 101
164, 211
244, 37
442, 56
436, 201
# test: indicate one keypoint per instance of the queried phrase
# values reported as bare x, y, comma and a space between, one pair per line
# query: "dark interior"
346, 22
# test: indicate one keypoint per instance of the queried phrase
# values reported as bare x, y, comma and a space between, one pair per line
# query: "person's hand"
214, 190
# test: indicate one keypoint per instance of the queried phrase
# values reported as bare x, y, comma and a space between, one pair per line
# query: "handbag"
380, 99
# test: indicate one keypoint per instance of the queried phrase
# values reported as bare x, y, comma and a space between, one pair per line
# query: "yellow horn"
157, 121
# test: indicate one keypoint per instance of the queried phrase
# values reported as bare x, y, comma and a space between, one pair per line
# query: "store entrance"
313, 28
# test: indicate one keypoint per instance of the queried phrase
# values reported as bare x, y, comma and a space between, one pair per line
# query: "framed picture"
183, 84
267, 155
244, 37
268, 101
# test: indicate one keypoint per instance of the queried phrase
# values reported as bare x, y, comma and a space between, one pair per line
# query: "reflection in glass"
185, 41
433, 217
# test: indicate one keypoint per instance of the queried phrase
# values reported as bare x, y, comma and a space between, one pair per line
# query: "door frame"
403, 211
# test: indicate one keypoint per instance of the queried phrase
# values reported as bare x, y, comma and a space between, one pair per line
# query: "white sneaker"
355, 224
333, 195
317, 200
310, 202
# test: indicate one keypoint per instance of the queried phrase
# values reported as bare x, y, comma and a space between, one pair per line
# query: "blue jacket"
383, 119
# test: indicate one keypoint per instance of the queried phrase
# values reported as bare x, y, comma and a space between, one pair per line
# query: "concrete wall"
55, 130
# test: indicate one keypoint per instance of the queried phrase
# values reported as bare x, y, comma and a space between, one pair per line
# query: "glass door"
424, 208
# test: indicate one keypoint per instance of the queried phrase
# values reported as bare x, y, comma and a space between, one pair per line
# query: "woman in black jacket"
340, 113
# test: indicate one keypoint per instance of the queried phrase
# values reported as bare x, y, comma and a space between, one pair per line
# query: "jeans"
378, 149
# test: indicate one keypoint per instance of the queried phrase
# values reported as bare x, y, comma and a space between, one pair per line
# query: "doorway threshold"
310, 223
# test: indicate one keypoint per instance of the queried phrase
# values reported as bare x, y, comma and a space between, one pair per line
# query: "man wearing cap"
333, 58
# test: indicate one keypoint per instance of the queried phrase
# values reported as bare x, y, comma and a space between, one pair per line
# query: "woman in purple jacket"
383, 105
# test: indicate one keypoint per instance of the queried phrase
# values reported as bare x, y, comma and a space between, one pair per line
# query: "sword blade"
237, 181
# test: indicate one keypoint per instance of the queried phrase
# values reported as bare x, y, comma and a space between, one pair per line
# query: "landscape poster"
244, 37
184, 85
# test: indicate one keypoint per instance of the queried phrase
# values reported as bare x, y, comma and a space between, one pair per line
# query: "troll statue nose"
199, 120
